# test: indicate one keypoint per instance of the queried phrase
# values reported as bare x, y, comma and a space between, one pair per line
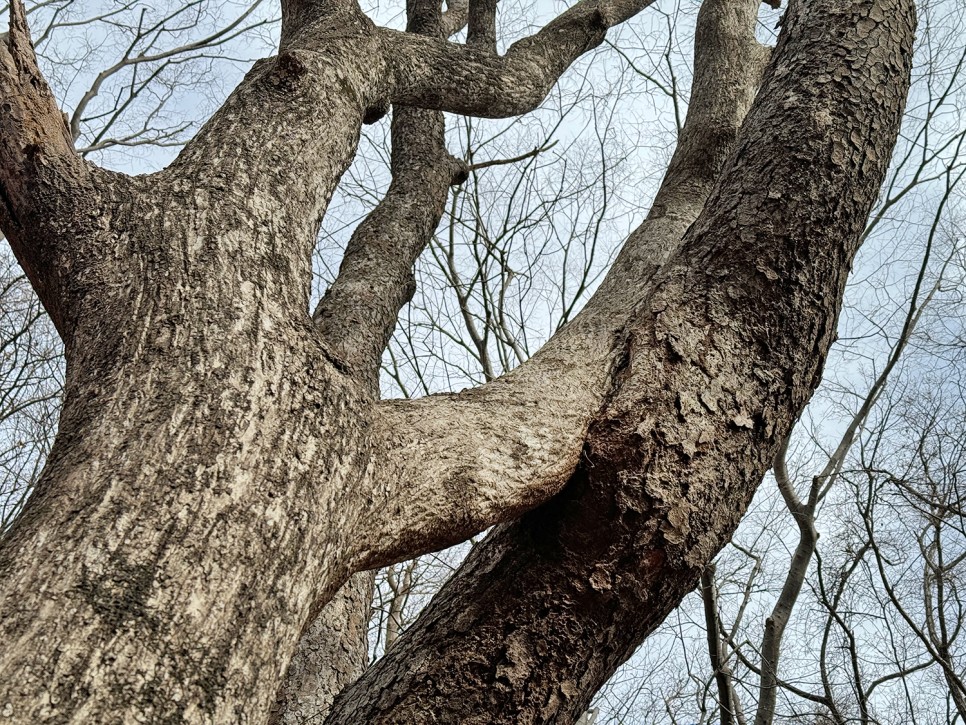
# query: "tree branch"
481, 31
359, 311
42, 180
474, 81
780, 614
302, 16
455, 17
512, 160
727, 698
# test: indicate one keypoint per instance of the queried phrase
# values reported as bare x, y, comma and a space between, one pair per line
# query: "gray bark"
729, 707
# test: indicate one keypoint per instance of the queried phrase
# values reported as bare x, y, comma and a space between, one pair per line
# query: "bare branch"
778, 619
359, 311
474, 81
513, 160
455, 17
729, 707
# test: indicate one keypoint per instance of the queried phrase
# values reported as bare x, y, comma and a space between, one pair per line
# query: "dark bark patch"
120, 595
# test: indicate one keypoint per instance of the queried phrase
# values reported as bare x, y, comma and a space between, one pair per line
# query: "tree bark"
221, 470
331, 654
218, 474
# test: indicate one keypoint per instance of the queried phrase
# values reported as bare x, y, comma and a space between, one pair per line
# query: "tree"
223, 465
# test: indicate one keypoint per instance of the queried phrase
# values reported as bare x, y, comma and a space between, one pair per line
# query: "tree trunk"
332, 653
222, 466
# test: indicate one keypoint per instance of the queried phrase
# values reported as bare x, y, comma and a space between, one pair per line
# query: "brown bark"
724, 354
220, 470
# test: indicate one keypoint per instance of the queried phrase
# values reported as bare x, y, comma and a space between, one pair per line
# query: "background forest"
852, 559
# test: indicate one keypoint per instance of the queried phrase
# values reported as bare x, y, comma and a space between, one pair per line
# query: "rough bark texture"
217, 475
222, 467
724, 354
332, 653
357, 317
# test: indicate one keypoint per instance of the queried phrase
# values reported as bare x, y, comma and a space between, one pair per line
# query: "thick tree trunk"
221, 467
217, 473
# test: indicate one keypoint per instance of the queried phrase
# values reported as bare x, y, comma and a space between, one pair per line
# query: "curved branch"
473, 80
455, 17
780, 614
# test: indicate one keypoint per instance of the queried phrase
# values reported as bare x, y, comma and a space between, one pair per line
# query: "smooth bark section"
724, 355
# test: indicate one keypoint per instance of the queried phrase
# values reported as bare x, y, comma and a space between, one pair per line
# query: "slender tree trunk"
728, 705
